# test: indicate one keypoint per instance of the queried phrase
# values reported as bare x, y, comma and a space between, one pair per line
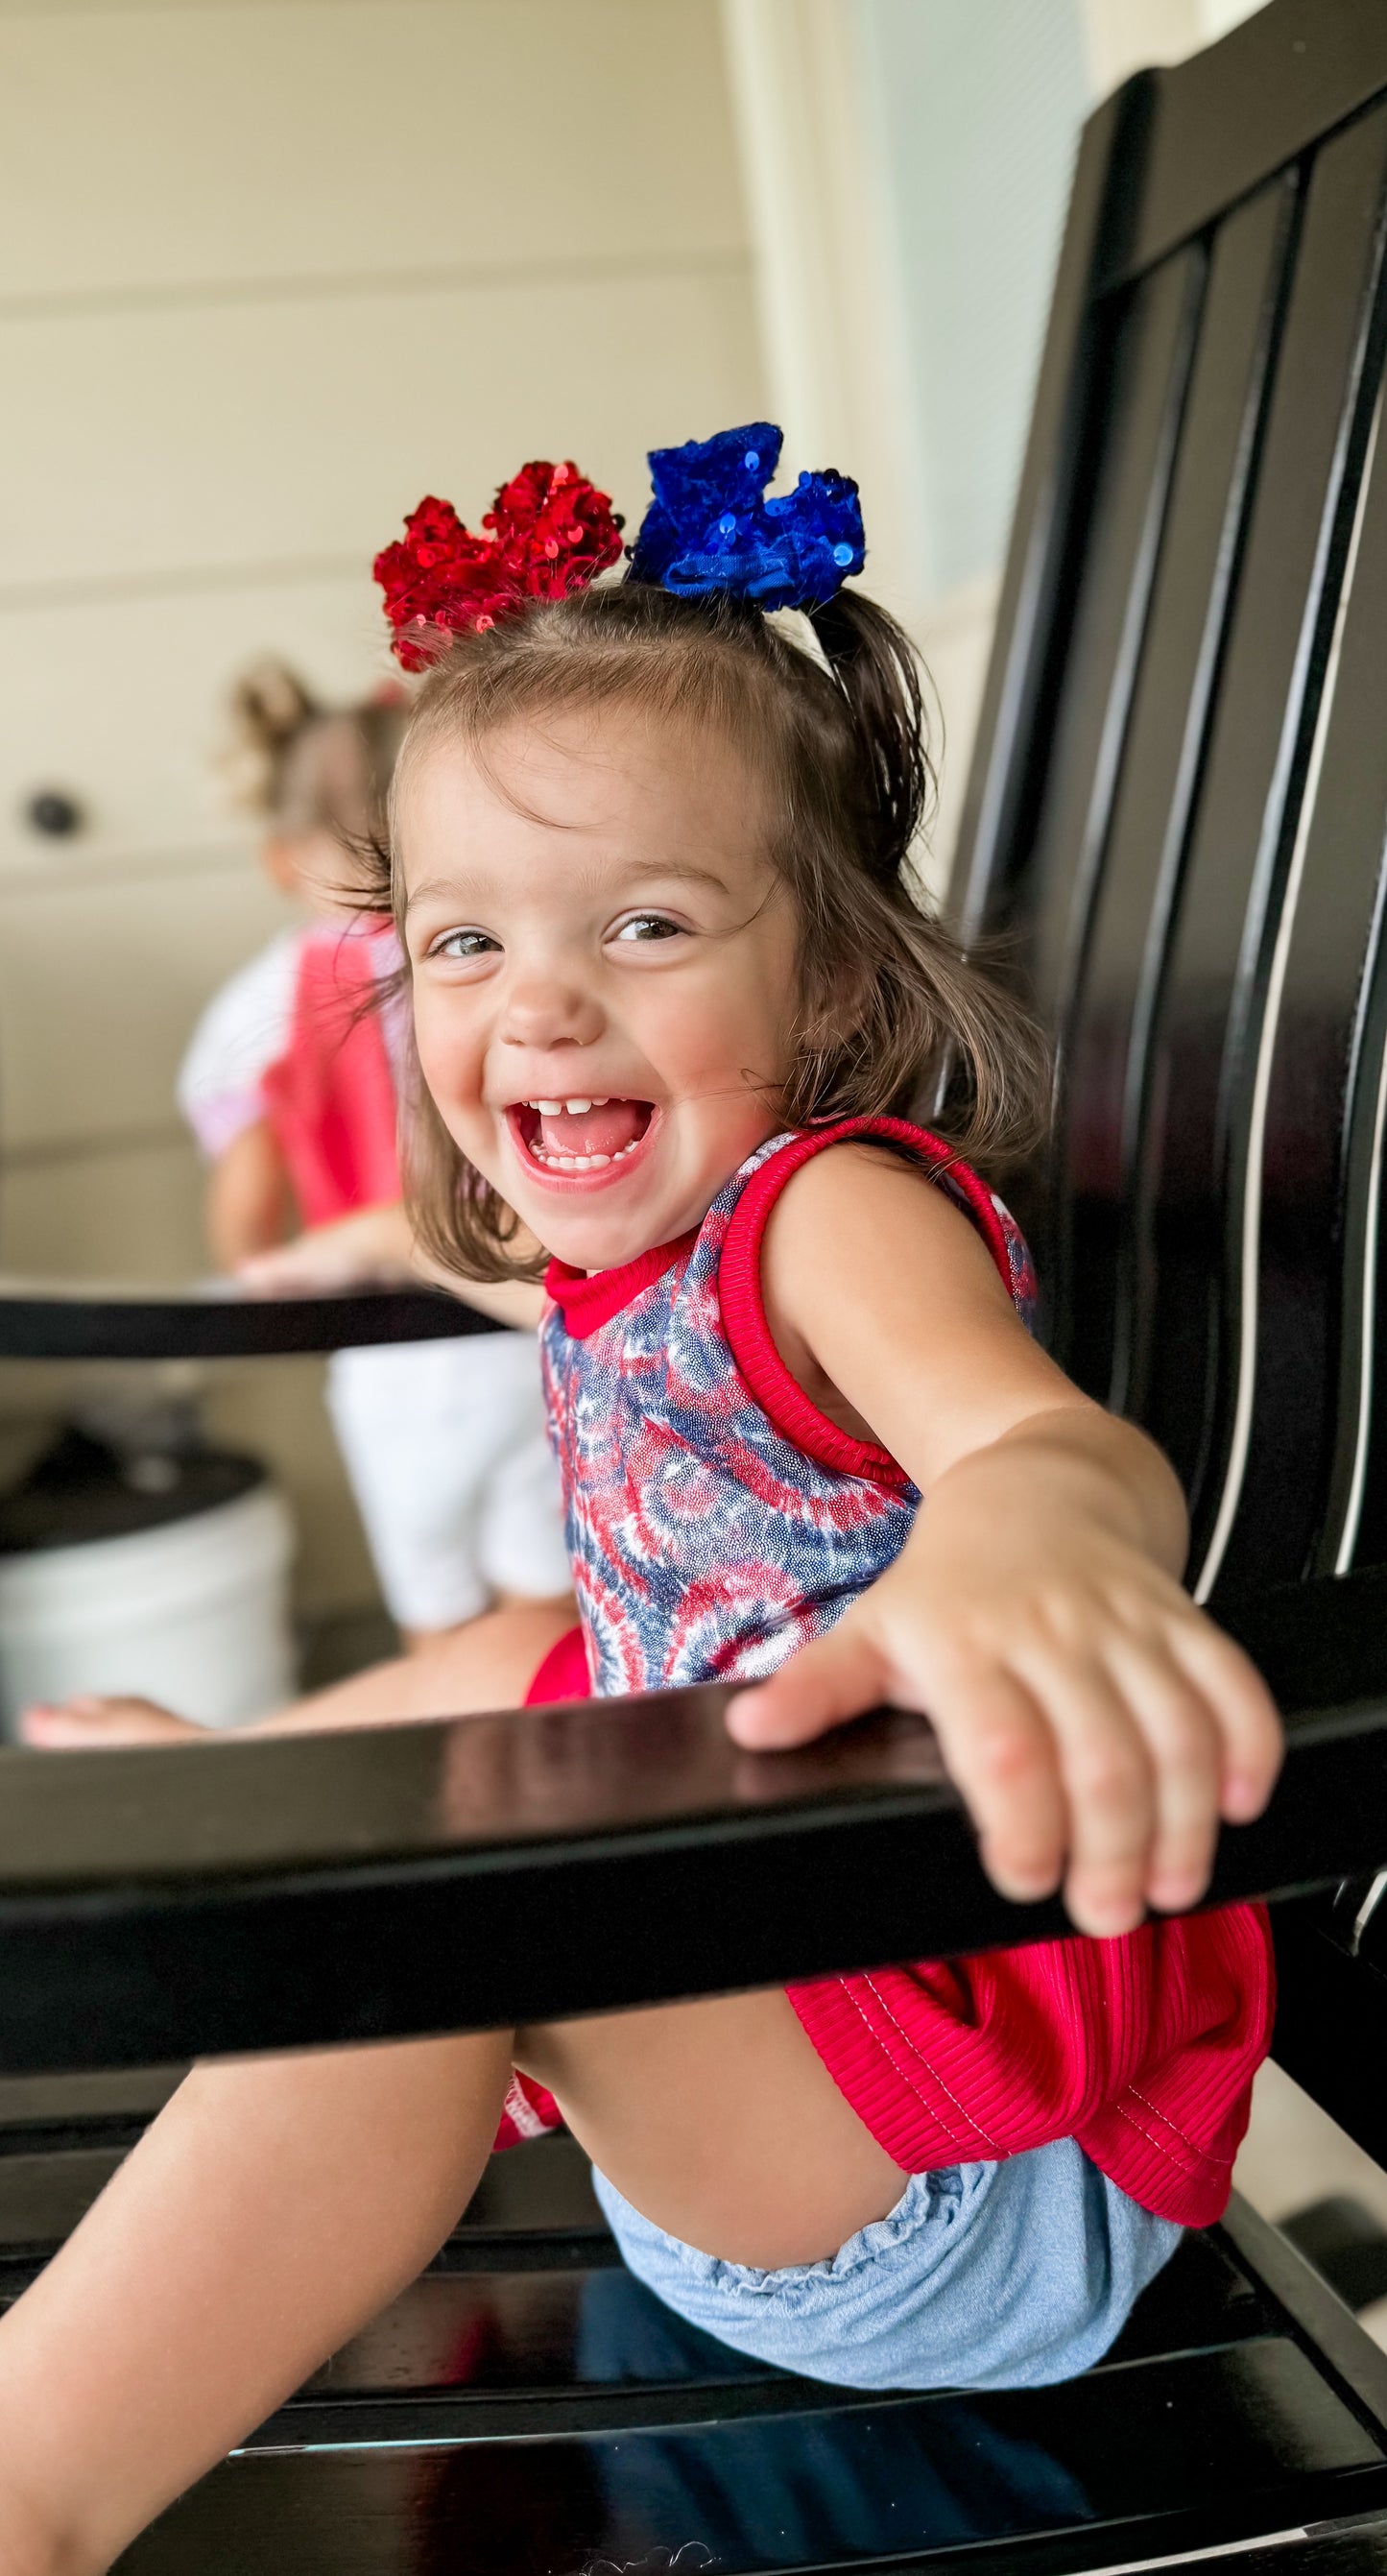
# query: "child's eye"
648, 925
464, 944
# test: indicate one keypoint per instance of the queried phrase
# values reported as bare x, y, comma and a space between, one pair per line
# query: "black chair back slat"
1102, 1099
1356, 1517
1354, 1531
1290, 1504
1185, 1329
1025, 670
1150, 363
1223, 123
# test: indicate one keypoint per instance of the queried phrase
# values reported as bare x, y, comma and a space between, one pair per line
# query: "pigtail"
878, 671
269, 709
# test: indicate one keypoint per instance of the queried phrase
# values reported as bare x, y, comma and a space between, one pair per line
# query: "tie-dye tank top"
716, 1519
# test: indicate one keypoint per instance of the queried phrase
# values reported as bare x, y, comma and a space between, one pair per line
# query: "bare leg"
719, 2121
487, 1664
272, 2208
426, 1641
277, 2204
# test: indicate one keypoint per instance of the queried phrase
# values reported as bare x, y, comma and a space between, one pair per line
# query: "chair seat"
528, 2406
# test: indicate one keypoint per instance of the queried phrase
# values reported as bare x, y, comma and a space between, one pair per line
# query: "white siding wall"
267, 274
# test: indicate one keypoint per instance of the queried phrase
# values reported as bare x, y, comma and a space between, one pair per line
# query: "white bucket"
193, 1613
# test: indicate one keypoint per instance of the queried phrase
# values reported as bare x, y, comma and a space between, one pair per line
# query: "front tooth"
576, 1108
548, 1108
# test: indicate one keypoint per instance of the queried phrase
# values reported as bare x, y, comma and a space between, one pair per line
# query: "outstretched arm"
375, 1247
1089, 1713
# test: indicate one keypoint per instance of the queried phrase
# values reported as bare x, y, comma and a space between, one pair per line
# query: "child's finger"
1107, 1777
1001, 1757
837, 1677
1245, 1713
1182, 1740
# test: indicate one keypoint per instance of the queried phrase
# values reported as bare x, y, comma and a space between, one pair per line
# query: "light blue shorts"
982, 2276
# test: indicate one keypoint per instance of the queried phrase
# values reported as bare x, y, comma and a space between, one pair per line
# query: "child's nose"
550, 1009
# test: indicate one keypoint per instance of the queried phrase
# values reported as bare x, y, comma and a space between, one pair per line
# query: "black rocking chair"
1178, 811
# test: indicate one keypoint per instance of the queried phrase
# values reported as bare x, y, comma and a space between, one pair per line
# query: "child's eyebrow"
432, 890
682, 871
637, 872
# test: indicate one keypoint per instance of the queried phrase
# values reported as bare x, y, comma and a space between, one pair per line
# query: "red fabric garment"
527, 2112
330, 1099
1142, 2048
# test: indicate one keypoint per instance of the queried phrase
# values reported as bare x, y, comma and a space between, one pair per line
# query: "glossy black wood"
1094, 1230
540, 2377
1331, 2020
1153, 342
1198, 1140
1239, 2401
1177, 806
1303, 1350
1245, 2437
45, 1320
492, 1870
1216, 127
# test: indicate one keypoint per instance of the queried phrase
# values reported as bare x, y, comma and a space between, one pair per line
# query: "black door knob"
53, 812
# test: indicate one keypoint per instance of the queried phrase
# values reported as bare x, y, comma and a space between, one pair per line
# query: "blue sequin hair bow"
710, 529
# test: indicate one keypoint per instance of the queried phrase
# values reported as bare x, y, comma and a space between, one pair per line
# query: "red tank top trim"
586, 1299
749, 1336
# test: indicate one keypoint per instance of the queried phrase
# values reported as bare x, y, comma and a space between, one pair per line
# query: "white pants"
448, 1456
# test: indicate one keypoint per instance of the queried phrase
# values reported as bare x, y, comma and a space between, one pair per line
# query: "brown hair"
893, 1018
300, 766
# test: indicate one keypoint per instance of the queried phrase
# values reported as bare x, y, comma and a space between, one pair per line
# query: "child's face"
592, 927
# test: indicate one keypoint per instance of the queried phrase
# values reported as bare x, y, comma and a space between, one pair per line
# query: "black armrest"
548, 1861
210, 1320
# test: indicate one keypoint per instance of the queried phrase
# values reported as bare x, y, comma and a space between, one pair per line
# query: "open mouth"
571, 1136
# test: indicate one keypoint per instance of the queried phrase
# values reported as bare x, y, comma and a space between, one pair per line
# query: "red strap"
739, 1285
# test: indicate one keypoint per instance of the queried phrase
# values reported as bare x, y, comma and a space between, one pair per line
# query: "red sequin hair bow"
550, 532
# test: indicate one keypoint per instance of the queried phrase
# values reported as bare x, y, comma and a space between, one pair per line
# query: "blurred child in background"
292, 1088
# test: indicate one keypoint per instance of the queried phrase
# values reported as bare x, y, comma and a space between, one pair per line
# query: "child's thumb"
838, 1677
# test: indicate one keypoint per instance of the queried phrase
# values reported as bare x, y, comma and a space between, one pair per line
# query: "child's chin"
584, 1239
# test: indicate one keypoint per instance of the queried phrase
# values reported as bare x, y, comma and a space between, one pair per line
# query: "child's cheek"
449, 1065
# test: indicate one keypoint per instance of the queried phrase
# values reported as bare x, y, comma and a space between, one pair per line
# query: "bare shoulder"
860, 1207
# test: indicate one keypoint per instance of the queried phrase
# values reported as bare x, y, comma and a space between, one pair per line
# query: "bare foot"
79, 1724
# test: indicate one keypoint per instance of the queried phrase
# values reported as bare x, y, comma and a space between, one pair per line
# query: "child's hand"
373, 1247
1097, 1724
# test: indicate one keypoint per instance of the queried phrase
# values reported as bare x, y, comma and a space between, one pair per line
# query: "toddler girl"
673, 1001
290, 1085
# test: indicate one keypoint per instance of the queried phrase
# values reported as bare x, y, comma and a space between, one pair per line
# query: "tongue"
594, 1131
